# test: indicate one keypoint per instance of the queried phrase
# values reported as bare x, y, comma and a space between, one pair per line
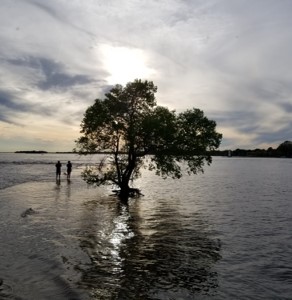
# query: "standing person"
69, 169
58, 170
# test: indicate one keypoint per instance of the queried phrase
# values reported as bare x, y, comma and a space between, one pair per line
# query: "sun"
124, 64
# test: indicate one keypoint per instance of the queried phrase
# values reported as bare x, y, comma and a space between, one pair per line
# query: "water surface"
221, 235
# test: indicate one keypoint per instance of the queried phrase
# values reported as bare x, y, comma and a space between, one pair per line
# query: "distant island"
32, 151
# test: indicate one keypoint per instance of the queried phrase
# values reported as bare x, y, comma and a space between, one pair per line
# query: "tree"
285, 149
129, 126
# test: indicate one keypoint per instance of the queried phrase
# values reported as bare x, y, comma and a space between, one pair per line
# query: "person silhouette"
69, 169
58, 170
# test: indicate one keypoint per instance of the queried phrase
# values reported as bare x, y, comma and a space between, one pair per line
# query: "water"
225, 234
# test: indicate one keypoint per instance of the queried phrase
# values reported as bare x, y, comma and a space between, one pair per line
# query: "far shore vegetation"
283, 150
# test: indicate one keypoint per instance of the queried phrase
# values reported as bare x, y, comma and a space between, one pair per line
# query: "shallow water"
221, 235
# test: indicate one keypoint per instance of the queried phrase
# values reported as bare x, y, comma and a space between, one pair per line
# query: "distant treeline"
283, 150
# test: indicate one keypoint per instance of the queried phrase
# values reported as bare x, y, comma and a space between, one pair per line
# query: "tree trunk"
124, 192
126, 176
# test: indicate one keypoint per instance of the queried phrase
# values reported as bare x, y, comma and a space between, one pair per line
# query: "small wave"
6, 291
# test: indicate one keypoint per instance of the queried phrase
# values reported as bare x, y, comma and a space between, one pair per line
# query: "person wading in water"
58, 170
69, 169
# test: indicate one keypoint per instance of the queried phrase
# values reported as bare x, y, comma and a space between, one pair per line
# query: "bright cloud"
124, 64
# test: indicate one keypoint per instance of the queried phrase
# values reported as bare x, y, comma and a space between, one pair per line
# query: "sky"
230, 58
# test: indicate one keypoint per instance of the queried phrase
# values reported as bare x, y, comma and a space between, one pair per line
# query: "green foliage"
130, 126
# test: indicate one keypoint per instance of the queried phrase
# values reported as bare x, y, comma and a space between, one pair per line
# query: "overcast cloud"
230, 58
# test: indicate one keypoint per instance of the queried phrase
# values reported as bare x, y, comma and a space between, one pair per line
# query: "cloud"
286, 106
10, 108
7, 103
229, 58
52, 75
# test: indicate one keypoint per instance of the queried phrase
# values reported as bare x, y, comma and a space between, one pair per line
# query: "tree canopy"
129, 126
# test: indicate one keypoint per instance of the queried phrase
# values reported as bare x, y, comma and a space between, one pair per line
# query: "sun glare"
124, 64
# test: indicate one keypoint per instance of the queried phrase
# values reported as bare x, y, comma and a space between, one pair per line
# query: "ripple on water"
143, 256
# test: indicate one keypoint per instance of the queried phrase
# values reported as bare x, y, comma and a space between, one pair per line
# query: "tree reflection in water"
161, 256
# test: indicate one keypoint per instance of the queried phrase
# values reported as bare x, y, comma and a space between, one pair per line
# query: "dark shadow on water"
159, 256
